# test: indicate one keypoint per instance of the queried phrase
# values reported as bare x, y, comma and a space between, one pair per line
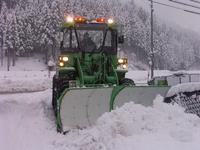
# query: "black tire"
54, 94
59, 85
127, 82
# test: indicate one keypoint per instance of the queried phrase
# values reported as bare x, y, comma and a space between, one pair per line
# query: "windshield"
88, 40
93, 40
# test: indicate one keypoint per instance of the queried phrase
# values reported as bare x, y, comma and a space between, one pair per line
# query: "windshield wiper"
104, 39
79, 47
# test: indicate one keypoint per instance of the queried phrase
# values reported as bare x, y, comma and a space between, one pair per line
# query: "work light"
110, 21
69, 19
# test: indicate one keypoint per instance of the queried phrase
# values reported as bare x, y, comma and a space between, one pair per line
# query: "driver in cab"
87, 43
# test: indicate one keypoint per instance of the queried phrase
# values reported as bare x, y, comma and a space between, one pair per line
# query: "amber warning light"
81, 19
101, 20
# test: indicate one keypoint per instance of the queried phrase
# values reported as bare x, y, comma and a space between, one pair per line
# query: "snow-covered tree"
3, 24
33, 26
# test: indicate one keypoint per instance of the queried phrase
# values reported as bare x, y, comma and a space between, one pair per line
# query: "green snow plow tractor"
90, 77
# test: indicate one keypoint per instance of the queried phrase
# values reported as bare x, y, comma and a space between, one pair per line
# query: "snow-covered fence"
186, 95
174, 78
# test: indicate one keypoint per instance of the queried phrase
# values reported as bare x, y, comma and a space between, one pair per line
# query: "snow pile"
134, 126
24, 81
24, 85
27, 121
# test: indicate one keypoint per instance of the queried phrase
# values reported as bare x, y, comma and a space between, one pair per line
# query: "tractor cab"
88, 52
89, 38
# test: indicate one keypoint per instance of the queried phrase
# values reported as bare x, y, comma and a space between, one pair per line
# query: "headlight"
122, 61
63, 58
124, 66
61, 64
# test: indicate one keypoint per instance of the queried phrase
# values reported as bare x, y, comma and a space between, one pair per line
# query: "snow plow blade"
81, 107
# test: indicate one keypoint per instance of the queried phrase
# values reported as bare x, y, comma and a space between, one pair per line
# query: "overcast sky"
179, 17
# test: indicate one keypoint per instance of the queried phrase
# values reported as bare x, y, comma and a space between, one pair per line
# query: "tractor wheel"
127, 82
59, 85
54, 93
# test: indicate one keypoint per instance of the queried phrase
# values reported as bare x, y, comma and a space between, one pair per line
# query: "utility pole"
152, 44
8, 59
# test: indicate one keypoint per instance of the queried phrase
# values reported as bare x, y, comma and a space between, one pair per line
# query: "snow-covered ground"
29, 75
27, 121
34, 63
24, 81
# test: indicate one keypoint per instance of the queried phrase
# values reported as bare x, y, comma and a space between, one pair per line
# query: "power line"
193, 12
195, 1
185, 4
152, 43
167, 5
186, 10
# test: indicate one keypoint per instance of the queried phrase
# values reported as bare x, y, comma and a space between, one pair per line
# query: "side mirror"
121, 39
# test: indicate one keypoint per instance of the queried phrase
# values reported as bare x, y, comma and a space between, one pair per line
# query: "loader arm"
80, 72
113, 77
115, 72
